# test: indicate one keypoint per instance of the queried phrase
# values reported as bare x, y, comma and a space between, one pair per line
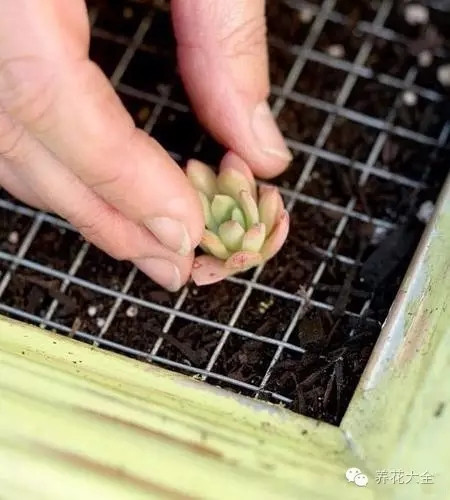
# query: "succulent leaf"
254, 238
232, 161
212, 244
208, 270
238, 216
231, 233
222, 207
210, 223
231, 182
276, 240
249, 207
269, 206
242, 261
202, 177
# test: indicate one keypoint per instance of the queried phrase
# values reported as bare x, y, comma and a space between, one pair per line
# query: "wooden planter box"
79, 422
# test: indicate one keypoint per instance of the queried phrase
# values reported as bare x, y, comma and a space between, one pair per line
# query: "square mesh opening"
298, 331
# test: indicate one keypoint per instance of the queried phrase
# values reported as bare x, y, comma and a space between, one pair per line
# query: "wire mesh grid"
254, 333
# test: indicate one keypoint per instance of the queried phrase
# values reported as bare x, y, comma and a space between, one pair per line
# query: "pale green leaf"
202, 177
212, 244
210, 223
222, 207
249, 207
238, 216
231, 233
254, 238
232, 182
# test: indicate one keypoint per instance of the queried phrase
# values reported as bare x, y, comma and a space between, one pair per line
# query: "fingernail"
161, 271
171, 233
267, 132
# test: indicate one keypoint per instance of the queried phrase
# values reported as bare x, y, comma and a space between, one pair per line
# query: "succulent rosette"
244, 226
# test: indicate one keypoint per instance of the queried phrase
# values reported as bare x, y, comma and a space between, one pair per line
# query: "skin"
67, 145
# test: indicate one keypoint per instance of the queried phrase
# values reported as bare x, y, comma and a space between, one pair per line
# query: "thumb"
223, 60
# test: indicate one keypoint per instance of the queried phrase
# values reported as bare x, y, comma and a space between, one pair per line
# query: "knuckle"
27, 89
107, 238
247, 39
118, 251
110, 178
11, 135
90, 232
107, 182
114, 185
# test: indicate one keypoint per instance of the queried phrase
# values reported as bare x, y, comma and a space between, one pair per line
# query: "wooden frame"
79, 422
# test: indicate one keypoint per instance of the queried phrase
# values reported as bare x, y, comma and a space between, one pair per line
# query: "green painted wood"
399, 418
78, 422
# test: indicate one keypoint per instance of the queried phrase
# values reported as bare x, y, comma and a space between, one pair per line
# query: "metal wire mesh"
113, 298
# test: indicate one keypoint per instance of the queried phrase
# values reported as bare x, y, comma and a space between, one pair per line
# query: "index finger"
65, 101
222, 53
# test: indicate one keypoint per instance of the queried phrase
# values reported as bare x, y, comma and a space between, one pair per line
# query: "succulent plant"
244, 226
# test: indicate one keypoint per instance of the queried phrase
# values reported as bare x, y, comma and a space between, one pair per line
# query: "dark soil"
335, 331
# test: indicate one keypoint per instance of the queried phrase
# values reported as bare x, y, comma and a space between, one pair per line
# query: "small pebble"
425, 211
92, 311
336, 50
306, 15
425, 59
409, 98
378, 235
100, 322
443, 75
143, 114
131, 312
416, 14
128, 13
264, 306
13, 238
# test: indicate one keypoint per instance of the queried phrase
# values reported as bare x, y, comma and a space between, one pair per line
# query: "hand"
68, 145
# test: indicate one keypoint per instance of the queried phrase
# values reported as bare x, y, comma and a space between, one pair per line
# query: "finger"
222, 55
14, 185
67, 102
57, 187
